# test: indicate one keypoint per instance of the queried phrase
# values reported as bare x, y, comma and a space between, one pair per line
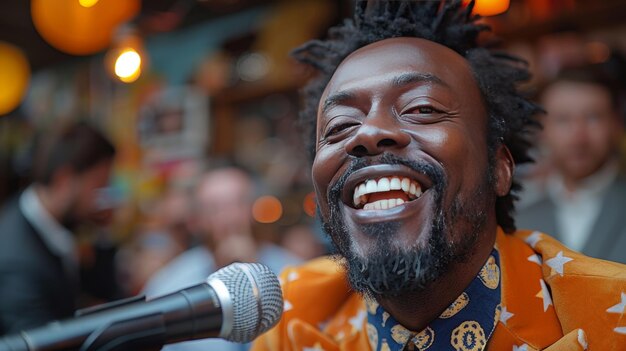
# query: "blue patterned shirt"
465, 325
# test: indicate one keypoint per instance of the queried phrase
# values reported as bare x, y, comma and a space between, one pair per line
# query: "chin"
404, 247
397, 257
389, 236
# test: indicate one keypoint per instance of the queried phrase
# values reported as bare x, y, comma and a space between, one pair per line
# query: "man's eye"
426, 109
339, 128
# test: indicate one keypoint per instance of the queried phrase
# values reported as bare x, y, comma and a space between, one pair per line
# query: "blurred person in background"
301, 240
39, 266
161, 234
584, 191
224, 225
151, 248
173, 212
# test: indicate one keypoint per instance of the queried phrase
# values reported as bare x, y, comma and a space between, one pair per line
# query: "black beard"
393, 272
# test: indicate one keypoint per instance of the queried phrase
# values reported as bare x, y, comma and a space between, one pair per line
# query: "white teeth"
358, 191
383, 204
362, 189
370, 186
395, 184
406, 184
383, 185
415, 189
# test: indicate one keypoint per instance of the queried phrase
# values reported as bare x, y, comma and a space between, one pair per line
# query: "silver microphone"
237, 303
251, 300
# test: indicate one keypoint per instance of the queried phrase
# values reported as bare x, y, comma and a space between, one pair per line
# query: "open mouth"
385, 192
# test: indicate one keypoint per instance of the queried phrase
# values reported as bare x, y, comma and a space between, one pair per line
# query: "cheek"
603, 136
87, 200
462, 152
325, 170
320, 176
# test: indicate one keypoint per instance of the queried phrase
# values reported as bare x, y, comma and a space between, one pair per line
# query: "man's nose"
377, 134
578, 131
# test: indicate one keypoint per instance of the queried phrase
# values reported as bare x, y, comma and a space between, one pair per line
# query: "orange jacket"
553, 299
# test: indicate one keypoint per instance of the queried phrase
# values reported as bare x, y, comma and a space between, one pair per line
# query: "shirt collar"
57, 238
467, 324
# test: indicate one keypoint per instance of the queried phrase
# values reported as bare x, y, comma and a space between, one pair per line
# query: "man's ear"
503, 172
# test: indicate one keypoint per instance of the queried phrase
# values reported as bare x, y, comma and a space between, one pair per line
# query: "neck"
599, 176
571, 184
415, 310
49, 202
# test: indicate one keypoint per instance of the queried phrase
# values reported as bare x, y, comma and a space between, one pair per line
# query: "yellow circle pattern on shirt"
468, 336
384, 346
490, 273
456, 306
385, 317
400, 334
372, 335
371, 305
424, 339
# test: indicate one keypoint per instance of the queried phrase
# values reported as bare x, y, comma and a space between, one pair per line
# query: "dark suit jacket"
34, 287
608, 238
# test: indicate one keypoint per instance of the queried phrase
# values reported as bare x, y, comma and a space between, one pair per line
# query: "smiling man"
418, 131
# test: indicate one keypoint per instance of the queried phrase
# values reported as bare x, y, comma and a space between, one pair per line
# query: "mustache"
433, 171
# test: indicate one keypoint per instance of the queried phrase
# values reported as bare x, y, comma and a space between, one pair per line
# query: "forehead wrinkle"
336, 99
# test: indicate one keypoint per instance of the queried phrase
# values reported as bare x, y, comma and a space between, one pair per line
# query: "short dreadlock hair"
449, 23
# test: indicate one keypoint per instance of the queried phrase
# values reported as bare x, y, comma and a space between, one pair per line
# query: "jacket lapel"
610, 222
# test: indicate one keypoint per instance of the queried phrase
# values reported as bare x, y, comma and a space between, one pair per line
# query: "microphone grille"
257, 299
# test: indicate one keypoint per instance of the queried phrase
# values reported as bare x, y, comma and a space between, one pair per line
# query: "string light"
87, 3
127, 58
128, 65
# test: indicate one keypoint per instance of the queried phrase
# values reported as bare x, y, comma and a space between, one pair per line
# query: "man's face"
581, 128
86, 189
224, 202
402, 123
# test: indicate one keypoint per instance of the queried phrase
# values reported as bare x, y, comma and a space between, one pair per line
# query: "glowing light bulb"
87, 3
128, 66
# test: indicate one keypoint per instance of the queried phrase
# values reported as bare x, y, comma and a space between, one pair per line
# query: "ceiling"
157, 16
16, 25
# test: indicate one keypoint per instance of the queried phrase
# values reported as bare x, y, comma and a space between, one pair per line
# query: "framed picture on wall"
174, 125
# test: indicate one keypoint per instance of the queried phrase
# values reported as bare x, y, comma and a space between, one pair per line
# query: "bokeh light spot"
128, 66
267, 209
598, 52
489, 7
14, 77
309, 204
76, 29
87, 3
